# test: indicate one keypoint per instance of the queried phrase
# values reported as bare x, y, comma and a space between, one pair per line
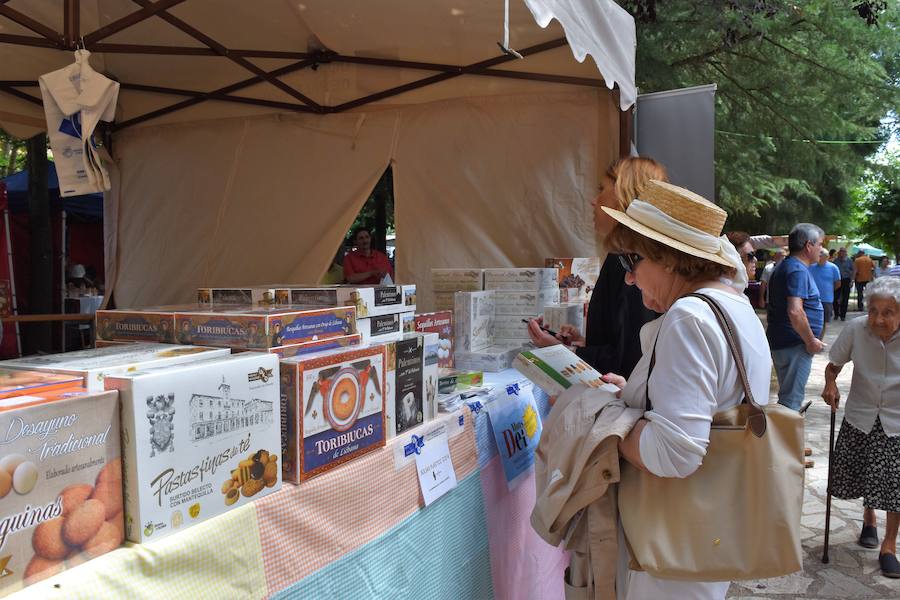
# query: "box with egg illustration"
92, 366
60, 483
197, 440
334, 409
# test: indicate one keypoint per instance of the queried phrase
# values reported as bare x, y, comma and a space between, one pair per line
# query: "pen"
550, 331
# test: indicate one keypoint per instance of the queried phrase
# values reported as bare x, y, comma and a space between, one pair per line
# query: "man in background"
828, 279
767, 274
842, 297
863, 273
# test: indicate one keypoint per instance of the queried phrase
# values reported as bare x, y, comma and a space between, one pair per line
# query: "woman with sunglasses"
671, 246
616, 312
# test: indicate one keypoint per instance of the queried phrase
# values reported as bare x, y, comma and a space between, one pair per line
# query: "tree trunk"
38, 336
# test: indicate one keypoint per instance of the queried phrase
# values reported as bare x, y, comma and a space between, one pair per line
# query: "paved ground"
853, 570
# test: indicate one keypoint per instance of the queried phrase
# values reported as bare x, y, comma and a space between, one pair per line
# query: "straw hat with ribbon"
682, 220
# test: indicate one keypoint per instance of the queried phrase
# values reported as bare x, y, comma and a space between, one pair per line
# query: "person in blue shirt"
828, 279
795, 315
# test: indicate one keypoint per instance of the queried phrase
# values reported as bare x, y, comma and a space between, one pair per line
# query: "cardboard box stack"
521, 294
446, 282
91, 367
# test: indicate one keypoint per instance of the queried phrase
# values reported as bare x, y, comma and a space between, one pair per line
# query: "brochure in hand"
555, 369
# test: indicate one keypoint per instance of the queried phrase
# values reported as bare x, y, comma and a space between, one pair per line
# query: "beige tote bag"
736, 517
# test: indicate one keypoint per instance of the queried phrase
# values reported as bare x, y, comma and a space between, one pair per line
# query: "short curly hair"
622, 240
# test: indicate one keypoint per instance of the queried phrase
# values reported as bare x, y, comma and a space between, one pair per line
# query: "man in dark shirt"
795, 315
845, 264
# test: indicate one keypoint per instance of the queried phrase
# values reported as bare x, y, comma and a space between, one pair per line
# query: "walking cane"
828, 489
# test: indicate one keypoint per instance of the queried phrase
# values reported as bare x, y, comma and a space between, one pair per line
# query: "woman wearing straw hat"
616, 312
866, 459
671, 245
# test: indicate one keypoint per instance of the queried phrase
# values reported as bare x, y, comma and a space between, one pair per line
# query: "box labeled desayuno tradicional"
384, 328
18, 382
440, 323
457, 280
198, 439
370, 301
60, 483
210, 297
334, 407
263, 327
474, 318
96, 364
136, 325
529, 303
520, 279
577, 275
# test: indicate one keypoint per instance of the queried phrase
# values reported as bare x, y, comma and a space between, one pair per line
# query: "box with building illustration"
457, 280
263, 327
524, 303
197, 439
441, 323
577, 276
18, 381
60, 483
520, 279
474, 320
211, 297
92, 366
145, 325
384, 328
333, 403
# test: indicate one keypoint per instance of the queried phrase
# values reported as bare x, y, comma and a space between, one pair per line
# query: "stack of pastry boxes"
284, 330
198, 439
60, 475
333, 402
446, 282
519, 294
383, 312
577, 278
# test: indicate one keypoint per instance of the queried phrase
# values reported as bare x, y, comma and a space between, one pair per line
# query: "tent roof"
221, 58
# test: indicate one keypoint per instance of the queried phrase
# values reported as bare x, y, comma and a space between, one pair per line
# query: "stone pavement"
853, 570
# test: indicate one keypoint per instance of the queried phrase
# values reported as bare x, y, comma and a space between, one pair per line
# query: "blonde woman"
616, 312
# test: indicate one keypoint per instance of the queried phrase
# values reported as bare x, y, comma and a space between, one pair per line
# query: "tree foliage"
878, 205
13, 154
792, 79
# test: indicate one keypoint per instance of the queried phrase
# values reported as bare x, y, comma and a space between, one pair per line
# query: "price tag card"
435, 469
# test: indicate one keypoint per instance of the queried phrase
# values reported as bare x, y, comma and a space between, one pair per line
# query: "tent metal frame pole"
12, 278
129, 20
71, 23
29, 23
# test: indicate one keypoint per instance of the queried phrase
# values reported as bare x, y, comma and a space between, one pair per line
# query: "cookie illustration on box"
340, 392
257, 471
161, 414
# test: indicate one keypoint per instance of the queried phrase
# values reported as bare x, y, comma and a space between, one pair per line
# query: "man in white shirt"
767, 274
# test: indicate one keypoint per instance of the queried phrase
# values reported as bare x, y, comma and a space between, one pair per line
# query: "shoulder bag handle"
757, 417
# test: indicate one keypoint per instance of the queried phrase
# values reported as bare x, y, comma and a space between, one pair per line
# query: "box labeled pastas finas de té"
197, 440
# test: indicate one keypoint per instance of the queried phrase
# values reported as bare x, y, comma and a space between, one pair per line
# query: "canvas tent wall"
289, 112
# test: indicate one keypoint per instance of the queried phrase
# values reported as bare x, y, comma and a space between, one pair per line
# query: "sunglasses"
749, 257
629, 261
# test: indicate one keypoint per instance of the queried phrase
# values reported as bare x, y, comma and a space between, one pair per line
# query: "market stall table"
360, 531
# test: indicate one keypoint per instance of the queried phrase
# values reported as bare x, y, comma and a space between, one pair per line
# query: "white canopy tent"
249, 134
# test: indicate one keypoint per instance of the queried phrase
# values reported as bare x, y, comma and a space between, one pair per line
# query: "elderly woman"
616, 313
671, 246
866, 461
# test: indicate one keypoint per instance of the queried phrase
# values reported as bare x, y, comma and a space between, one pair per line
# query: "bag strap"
757, 418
